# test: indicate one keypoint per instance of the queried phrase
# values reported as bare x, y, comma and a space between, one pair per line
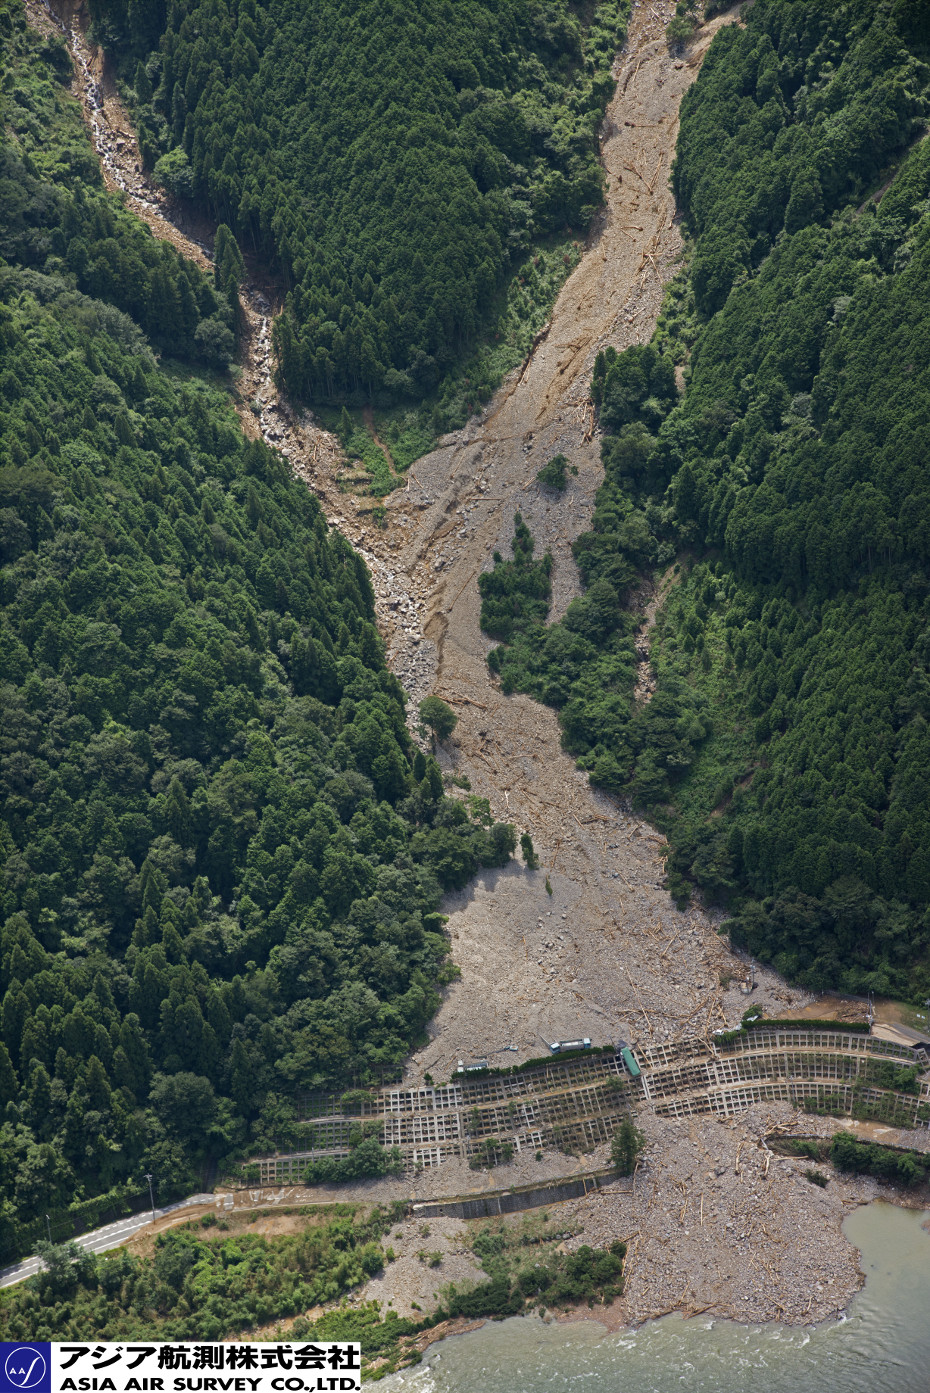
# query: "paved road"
99, 1240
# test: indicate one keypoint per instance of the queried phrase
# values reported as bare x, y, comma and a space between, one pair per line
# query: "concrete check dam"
574, 1104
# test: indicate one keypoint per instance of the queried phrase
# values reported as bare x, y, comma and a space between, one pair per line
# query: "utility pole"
48, 1225
151, 1195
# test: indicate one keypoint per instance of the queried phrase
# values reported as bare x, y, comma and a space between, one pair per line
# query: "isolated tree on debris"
553, 474
529, 853
439, 717
627, 1143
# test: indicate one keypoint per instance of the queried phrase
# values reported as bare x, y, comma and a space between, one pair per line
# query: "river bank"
882, 1347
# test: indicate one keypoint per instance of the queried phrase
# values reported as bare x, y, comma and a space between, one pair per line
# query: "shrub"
173, 172
368, 1158
906, 1168
553, 474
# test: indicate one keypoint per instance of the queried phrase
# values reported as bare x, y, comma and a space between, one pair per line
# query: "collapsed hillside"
785, 746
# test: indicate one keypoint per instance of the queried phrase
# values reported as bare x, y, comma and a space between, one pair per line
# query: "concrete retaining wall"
510, 1201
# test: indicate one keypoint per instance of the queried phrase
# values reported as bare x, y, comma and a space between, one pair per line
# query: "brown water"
883, 1346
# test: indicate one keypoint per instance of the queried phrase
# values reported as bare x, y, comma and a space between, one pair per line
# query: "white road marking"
99, 1240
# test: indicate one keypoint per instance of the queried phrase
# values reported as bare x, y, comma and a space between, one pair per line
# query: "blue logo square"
25, 1368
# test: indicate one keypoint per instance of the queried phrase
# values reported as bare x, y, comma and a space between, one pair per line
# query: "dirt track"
607, 954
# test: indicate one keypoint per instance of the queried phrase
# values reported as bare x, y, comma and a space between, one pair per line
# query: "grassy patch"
372, 473
518, 314
360, 446
407, 436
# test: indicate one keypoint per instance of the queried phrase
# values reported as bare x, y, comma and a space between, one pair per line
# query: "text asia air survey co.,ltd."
180, 1367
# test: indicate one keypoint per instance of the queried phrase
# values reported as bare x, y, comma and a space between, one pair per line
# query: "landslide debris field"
606, 954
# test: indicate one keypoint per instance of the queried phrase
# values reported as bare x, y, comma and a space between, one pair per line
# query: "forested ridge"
222, 855
786, 749
393, 160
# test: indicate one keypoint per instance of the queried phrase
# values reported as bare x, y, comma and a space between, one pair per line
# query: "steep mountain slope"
221, 853
391, 160
56, 219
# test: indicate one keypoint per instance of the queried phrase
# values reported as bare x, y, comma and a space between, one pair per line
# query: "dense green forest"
222, 856
391, 159
202, 1282
786, 749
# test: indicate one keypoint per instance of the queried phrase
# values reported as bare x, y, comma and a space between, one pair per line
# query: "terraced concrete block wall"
576, 1104
570, 1104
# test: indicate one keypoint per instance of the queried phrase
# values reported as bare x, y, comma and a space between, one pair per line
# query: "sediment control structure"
837, 1072
574, 1104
